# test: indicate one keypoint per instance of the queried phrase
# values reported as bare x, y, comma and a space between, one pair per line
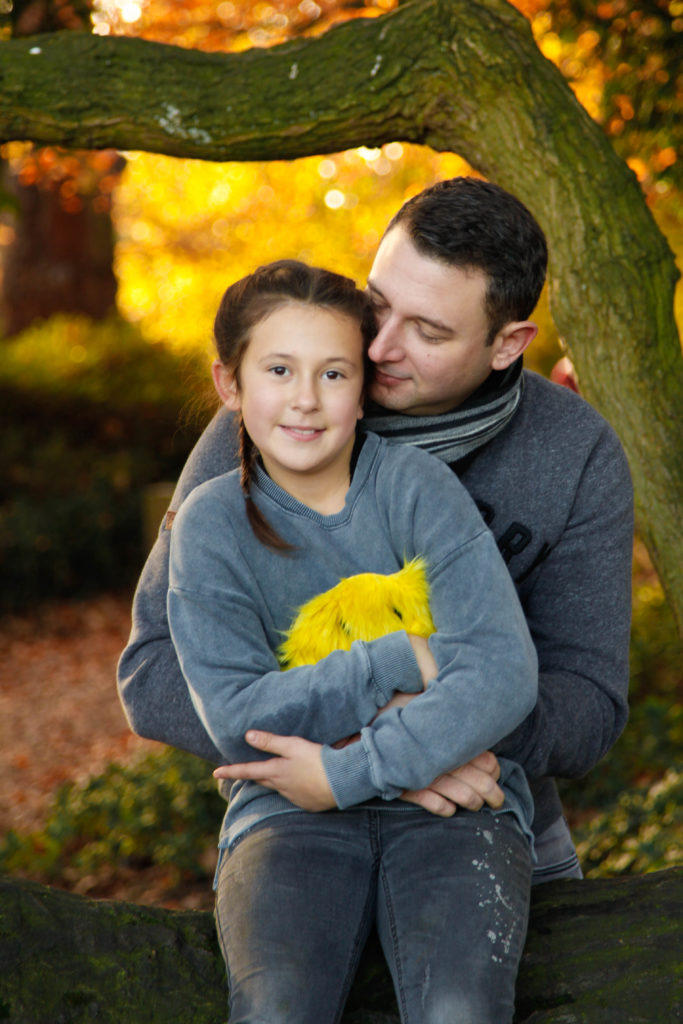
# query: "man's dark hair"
475, 225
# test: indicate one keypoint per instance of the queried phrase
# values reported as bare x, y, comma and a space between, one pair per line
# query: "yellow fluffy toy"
361, 607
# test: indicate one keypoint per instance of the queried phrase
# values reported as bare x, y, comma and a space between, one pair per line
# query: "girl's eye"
278, 371
333, 375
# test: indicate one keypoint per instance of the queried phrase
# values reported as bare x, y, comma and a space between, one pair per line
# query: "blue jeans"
556, 854
298, 894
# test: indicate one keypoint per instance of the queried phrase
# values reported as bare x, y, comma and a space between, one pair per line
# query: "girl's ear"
225, 383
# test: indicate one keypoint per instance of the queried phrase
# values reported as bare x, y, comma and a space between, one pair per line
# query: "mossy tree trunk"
458, 75
598, 952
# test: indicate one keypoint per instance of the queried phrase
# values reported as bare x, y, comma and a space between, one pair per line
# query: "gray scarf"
452, 435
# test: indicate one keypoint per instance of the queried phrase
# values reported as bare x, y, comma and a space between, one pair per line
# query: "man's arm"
578, 606
151, 686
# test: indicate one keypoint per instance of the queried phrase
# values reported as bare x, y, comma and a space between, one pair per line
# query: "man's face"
430, 352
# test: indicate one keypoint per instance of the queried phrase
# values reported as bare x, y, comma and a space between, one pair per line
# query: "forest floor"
61, 721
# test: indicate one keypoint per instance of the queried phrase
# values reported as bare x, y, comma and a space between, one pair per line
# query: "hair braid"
248, 453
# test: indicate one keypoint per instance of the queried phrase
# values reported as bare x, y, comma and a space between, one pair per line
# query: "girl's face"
299, 392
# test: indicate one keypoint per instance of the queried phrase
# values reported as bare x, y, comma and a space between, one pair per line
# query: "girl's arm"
486, 682
486, 685
221, 628
236, 682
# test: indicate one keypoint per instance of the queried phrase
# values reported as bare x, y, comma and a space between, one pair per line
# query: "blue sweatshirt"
231, 598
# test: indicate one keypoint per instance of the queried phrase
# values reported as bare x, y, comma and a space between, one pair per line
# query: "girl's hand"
296, 772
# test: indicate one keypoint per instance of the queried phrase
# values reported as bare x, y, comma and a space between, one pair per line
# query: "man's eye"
432, 339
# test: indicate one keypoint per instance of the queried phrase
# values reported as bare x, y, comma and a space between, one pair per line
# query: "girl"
316, 501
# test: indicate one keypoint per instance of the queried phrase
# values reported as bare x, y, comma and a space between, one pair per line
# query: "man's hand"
296, 771
470, 786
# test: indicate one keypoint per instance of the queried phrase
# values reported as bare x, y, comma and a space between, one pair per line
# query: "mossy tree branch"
457, 75
597, 952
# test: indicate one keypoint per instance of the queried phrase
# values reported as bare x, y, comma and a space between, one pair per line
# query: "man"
456, 276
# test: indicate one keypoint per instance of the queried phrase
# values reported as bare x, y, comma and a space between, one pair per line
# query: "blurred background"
111, 269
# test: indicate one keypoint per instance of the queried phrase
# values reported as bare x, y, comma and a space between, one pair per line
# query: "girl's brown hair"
249, 301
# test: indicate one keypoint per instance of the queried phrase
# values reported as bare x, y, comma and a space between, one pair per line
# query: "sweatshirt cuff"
393, 666
350, 776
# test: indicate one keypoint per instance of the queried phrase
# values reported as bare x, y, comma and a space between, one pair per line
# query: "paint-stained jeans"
298, 894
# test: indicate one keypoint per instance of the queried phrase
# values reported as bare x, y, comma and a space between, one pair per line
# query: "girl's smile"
303, 433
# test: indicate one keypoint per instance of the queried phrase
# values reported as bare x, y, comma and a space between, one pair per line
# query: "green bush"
650, 745
90, 414
641, 832
165, 810
100, 363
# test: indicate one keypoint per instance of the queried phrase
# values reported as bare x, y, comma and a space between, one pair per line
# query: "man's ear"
225, 383
511, 341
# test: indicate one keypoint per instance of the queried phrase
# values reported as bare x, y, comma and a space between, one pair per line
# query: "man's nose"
386, 346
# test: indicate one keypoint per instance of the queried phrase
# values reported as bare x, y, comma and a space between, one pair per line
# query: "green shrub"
655, 643
164, 810
90, 414
102, 363
650, 745
641, 832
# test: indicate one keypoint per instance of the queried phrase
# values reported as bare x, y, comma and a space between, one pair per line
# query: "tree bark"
458, 75
62, 256
597, 952
62, 260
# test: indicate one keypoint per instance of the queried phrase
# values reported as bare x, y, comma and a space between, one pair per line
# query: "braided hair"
248, 302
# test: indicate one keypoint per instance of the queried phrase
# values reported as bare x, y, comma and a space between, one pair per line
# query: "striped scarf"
452, 435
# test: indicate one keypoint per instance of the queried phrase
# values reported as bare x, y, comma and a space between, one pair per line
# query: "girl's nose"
306, 396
